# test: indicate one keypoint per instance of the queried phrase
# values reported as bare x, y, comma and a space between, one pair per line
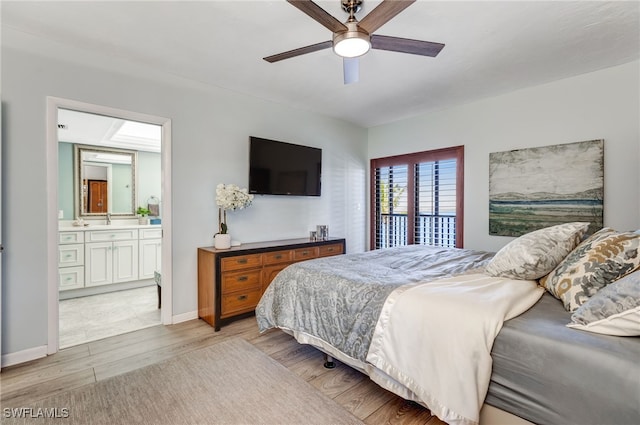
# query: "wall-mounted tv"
278, 168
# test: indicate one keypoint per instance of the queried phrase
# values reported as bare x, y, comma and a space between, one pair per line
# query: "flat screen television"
279, 168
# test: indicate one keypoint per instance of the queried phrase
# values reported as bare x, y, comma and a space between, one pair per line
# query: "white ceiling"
490, 47
99, 130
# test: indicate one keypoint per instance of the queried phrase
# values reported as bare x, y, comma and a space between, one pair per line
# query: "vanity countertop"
89, 227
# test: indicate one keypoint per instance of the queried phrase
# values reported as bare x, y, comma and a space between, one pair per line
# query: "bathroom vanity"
107, 255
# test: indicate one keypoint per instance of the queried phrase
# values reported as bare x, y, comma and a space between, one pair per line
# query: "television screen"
278, 168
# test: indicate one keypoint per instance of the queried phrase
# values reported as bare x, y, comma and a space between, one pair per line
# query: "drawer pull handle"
330, 249
243, 279
242, 261
278, 257
305, 252
242, 297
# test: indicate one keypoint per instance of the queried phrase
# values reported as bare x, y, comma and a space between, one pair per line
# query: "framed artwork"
540, 187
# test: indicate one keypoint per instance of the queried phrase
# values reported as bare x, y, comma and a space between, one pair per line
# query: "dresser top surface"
270, 245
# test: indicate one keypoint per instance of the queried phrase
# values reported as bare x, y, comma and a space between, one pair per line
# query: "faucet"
108, 218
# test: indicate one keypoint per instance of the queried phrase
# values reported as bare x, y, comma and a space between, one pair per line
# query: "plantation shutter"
417, 199
435, 203
392, 206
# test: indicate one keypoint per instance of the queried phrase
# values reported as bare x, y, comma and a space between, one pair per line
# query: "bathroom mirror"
104, 181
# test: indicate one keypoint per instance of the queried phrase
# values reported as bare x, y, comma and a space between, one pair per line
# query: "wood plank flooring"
74, 367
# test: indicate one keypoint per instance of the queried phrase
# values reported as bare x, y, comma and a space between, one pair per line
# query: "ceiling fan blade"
382, 14
300, 51
351, 69
319, 14
406, 45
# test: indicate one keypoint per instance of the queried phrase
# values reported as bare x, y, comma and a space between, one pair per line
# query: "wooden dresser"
231, 281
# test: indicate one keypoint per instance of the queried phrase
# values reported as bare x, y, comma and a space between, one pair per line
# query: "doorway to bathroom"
110, 241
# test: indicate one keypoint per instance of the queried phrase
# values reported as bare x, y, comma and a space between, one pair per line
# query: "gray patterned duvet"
338, 299
542, 370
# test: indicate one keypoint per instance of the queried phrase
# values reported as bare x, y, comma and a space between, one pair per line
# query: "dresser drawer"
70, 237
328, 250
240, 302
71, 278
277, 257
111, 235
305, 253
240, 262
70, 255
239, 281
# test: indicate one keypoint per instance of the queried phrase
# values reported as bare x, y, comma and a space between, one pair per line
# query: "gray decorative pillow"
614, 310
535, 254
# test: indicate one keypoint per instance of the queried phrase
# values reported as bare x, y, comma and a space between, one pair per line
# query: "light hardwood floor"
84, 364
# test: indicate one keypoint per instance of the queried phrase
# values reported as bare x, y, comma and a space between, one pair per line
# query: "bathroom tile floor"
100, 316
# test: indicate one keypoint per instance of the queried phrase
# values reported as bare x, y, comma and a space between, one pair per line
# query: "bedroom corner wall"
600, 105
210, 131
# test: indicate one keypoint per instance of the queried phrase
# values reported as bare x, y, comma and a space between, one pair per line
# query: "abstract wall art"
539, 187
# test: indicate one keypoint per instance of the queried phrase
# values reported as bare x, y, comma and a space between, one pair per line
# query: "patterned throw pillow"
535, 254
614, 310
601, 259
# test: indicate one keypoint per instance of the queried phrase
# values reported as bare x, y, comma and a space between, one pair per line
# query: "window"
418, 199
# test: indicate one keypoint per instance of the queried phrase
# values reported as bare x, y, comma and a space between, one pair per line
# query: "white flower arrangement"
230, 197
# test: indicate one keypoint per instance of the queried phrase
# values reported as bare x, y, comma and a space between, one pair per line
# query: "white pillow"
536, 254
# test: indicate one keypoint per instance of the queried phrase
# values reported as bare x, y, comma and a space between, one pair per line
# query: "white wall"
210, 130
598, 105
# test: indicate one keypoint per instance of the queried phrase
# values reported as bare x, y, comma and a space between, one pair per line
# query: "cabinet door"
150, 257
125, 261
269, 273
98, 263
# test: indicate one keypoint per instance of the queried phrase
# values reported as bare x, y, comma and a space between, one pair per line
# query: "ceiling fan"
355, 38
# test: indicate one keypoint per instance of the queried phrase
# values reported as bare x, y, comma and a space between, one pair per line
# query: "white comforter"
446, 361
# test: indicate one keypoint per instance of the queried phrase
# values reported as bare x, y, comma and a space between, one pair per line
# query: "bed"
431, 325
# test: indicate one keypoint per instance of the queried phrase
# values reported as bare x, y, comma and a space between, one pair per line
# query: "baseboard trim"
184, 317
23, 356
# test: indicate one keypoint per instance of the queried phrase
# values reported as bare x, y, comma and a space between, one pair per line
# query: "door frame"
53, 104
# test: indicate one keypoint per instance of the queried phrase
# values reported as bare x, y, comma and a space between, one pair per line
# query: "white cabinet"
88, 257
71, 278
150, 253
150, 257
111, 235
114, 261
70, 260
70, 237
125, 261
99, 269
71, 255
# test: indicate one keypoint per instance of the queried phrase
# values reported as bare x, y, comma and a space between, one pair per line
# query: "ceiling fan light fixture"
351, 43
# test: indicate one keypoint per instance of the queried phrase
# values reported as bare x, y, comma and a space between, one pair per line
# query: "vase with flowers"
228, 197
